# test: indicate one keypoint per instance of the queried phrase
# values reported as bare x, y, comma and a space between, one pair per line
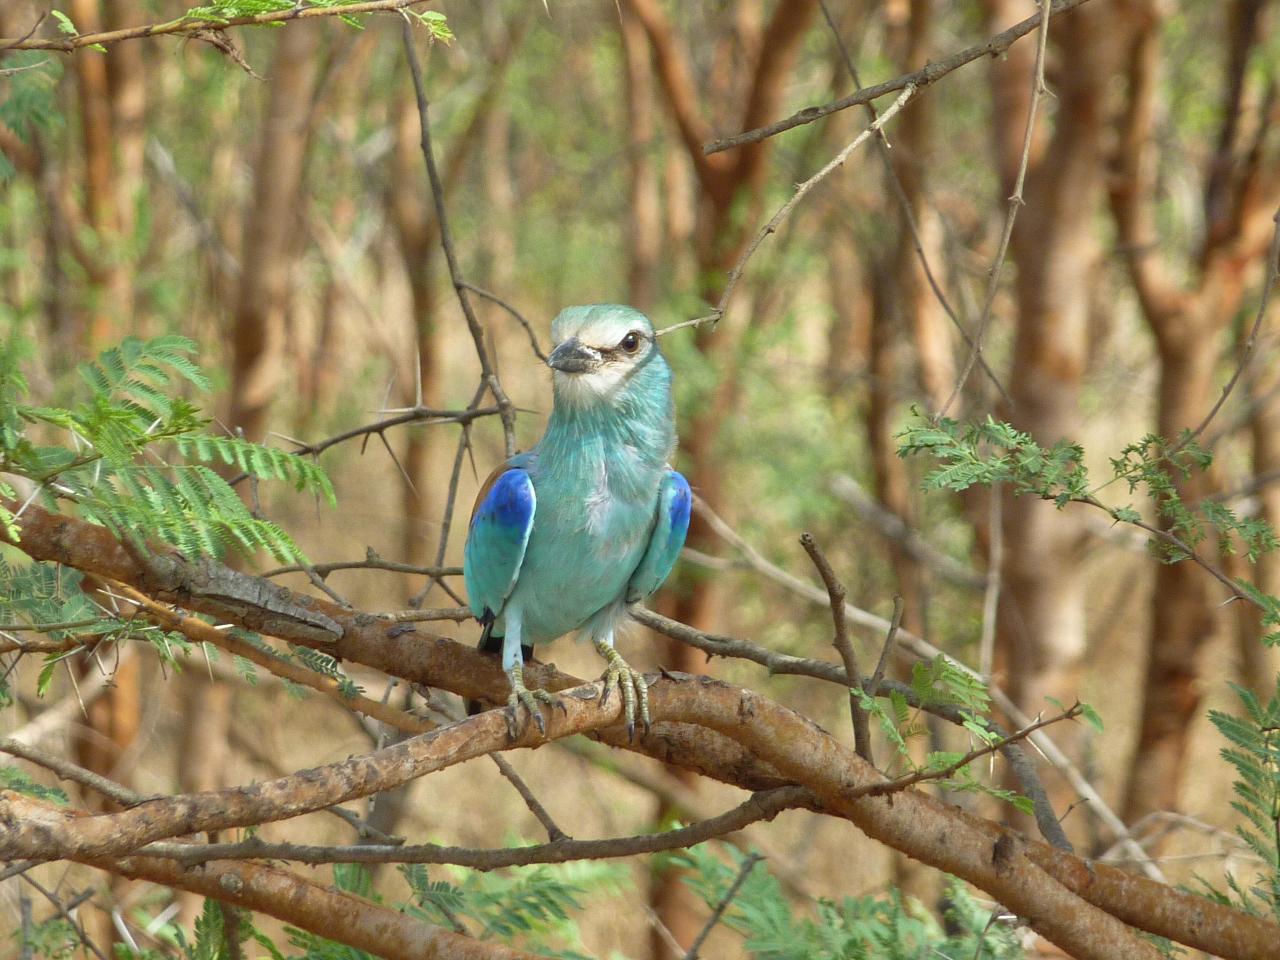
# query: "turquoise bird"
568, 535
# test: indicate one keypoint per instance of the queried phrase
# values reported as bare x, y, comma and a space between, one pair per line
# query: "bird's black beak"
573, 356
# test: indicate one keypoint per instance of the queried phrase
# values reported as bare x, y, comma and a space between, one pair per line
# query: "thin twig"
187, 25
67, 770
904, 203
991, 594
505, 407
446, 516
872, 687
920, 776
760, 806
771, 227
743, 872
416, 414
931, 73
64, 910
519, 317
844, 647
535, 806
1272, 272
1015, 203
371, 562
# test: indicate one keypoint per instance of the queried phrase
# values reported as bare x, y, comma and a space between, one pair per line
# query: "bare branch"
837, 161
919, 79
1015, 203
844, 646
743, 872
1270, 275
72, 771
506, 410
761, 806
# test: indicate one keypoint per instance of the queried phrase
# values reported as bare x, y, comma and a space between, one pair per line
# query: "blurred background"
265, 194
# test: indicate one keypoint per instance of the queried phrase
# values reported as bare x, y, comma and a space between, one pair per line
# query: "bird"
568, 535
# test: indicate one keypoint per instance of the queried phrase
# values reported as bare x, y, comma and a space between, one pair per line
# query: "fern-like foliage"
983, 454
1254, 752
28, 98
854, 928
133, 455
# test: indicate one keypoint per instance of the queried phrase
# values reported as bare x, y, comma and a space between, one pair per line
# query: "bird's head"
603, 352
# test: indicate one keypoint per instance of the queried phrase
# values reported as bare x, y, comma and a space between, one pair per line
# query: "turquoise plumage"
592, 519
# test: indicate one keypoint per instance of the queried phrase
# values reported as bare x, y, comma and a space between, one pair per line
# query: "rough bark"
722, 731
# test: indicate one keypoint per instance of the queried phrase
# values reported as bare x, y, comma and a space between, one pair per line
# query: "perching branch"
716, 729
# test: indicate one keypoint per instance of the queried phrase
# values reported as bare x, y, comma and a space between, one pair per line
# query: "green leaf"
1091, 716
64, 23
11, 778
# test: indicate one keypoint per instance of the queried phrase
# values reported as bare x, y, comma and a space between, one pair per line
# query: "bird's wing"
500, 526
669, 529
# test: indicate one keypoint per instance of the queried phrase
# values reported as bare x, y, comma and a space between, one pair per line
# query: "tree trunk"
269, 228
1041, 622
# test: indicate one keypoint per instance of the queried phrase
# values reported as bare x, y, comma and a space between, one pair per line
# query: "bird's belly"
573, 568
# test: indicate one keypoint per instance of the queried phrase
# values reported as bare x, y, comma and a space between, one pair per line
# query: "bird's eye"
631, 342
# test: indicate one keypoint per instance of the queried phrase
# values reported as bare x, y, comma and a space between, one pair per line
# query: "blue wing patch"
671, 524
500, 526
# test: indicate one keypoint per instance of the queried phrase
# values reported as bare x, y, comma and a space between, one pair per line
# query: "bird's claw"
631, 685
530, 700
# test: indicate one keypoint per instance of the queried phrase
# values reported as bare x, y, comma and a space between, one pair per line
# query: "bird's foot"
630, 683
530, 699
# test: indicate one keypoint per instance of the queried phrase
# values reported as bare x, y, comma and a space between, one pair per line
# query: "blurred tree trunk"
1258, 663
1188, 319
270, 225
644, 222
409, 202
415, 230
205, 751
721, 229
728, 204
906, 312
111, 298
1041, 620
318, 371
111, 97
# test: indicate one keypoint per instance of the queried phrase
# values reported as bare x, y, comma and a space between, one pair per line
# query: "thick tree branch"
316, 907
725, 732
1035, 881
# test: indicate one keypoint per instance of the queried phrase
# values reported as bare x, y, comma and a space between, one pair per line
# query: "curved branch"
316, 907
760, 806
728, 733
1055, 891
